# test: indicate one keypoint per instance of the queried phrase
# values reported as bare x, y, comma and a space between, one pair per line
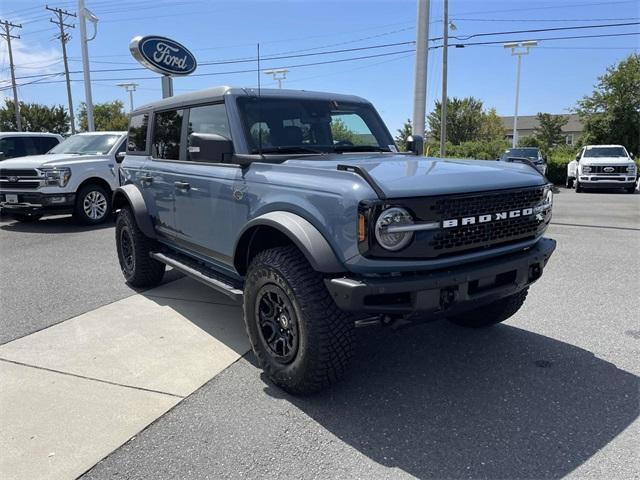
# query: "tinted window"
12, 147
166, 135
137, 139
522, 152
207, 119
44, 144
605, 152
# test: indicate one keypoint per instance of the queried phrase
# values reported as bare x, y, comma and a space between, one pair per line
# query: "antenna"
259, 109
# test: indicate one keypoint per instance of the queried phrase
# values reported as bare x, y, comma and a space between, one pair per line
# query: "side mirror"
577, 157
630, 154
120, 156
209, 147
415, 144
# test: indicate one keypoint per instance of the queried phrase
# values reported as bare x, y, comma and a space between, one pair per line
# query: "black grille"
495, 229
19, 185
8, 172
601, 169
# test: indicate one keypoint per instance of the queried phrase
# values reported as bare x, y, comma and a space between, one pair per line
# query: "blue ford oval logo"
163, 55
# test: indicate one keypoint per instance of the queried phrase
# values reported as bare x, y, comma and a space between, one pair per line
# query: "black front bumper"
448, 291
38, 203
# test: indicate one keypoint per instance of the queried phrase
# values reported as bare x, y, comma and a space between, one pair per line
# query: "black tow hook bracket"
535, 272
447, 297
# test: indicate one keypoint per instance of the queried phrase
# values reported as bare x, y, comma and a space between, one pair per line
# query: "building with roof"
527, 123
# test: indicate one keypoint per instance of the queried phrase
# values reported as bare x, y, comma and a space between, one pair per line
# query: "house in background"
527, 123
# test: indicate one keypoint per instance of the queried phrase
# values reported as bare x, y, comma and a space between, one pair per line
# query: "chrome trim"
416, 227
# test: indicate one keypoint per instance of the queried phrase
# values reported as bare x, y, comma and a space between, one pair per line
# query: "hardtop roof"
218, 93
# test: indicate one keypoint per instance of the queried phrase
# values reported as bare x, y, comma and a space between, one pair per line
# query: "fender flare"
131, 196
301, 232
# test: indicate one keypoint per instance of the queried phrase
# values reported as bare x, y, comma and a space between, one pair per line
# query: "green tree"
530, 141
35, 117
464, 120
548, 133
342, 133
492, 128
403, 134
106, 116
611, 114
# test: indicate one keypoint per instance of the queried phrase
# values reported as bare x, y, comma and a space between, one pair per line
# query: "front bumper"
607, 181
37, 203
450, 290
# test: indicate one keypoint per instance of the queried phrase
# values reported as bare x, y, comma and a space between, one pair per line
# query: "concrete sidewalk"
76, 391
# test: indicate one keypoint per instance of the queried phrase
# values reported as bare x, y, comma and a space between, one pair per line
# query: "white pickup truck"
77, 176
602, 166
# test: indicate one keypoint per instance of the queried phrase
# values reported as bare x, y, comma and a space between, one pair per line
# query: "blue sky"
554, 76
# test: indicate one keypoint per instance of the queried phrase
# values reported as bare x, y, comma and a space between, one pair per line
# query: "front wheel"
301, 339
569, 183
630, 189
578, 186
492, 313
134, 248
93, 205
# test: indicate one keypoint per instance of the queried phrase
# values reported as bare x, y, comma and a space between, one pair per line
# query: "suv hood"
409, 176
50, 160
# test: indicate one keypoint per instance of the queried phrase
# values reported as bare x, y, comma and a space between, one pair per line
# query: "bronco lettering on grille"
487, 218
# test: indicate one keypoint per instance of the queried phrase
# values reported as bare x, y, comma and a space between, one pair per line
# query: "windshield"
605, 152
86, 144
285, 125
521, 152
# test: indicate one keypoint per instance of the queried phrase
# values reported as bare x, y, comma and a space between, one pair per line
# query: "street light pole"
420, 80
518, 50
278, 75
129, 87
85, 14
445, 57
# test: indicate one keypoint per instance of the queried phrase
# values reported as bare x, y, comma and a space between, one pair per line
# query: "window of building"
569, 139
167, 127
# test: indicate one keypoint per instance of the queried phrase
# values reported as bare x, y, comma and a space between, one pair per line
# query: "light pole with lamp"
278, 75
518, 49
129, 87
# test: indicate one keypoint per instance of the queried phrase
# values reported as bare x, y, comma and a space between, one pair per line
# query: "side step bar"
202, 274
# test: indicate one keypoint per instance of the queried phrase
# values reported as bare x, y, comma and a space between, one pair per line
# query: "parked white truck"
602, 166
77, 176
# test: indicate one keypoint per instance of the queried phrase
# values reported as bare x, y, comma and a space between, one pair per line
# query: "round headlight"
586, 169
385, 234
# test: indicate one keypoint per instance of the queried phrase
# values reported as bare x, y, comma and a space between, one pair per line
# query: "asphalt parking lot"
552, 392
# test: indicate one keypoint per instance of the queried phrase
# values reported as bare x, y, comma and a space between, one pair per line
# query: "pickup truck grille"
601, 169
19, 179
478, 235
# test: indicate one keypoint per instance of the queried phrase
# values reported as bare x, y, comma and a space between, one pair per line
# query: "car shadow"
54, 224
440, 401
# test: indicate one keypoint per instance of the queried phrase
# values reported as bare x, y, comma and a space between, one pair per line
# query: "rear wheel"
301, 339
492, 313
134, 248
93, 205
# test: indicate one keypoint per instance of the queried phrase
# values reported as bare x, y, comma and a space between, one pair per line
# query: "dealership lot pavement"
552, 392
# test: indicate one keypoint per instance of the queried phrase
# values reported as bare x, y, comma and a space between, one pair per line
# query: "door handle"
182, 185
146, 178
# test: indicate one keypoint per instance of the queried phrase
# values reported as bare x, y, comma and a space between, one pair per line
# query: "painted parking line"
82, 388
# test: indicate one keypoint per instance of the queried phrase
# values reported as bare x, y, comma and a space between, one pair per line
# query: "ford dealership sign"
163, 55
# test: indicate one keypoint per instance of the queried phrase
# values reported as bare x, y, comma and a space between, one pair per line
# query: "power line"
604, 35
549, 7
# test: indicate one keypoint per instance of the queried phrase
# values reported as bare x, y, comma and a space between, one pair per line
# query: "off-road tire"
140, 270
577, 186
26, 217
325, 333
79, 213
492, 313
569, 183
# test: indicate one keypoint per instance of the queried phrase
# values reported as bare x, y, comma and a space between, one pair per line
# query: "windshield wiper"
287, 149
359, 148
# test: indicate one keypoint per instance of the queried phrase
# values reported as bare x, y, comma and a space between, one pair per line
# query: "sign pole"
167, 86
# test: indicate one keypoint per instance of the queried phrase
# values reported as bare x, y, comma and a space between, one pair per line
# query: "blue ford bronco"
299, 205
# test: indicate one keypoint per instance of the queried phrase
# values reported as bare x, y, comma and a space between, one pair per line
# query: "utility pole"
84, 15
64, 38
7, 36
445, 58
518, 50
129, 87
420, 81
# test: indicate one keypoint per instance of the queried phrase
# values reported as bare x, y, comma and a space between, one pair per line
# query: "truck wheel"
630, 189
492, 313
302, 340
134, 247
26, 217
569, 183
93, 205
577, 186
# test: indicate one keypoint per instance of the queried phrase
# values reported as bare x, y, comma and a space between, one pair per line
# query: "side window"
137, 138
167, 127
31, 146
44, 144
208, 119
